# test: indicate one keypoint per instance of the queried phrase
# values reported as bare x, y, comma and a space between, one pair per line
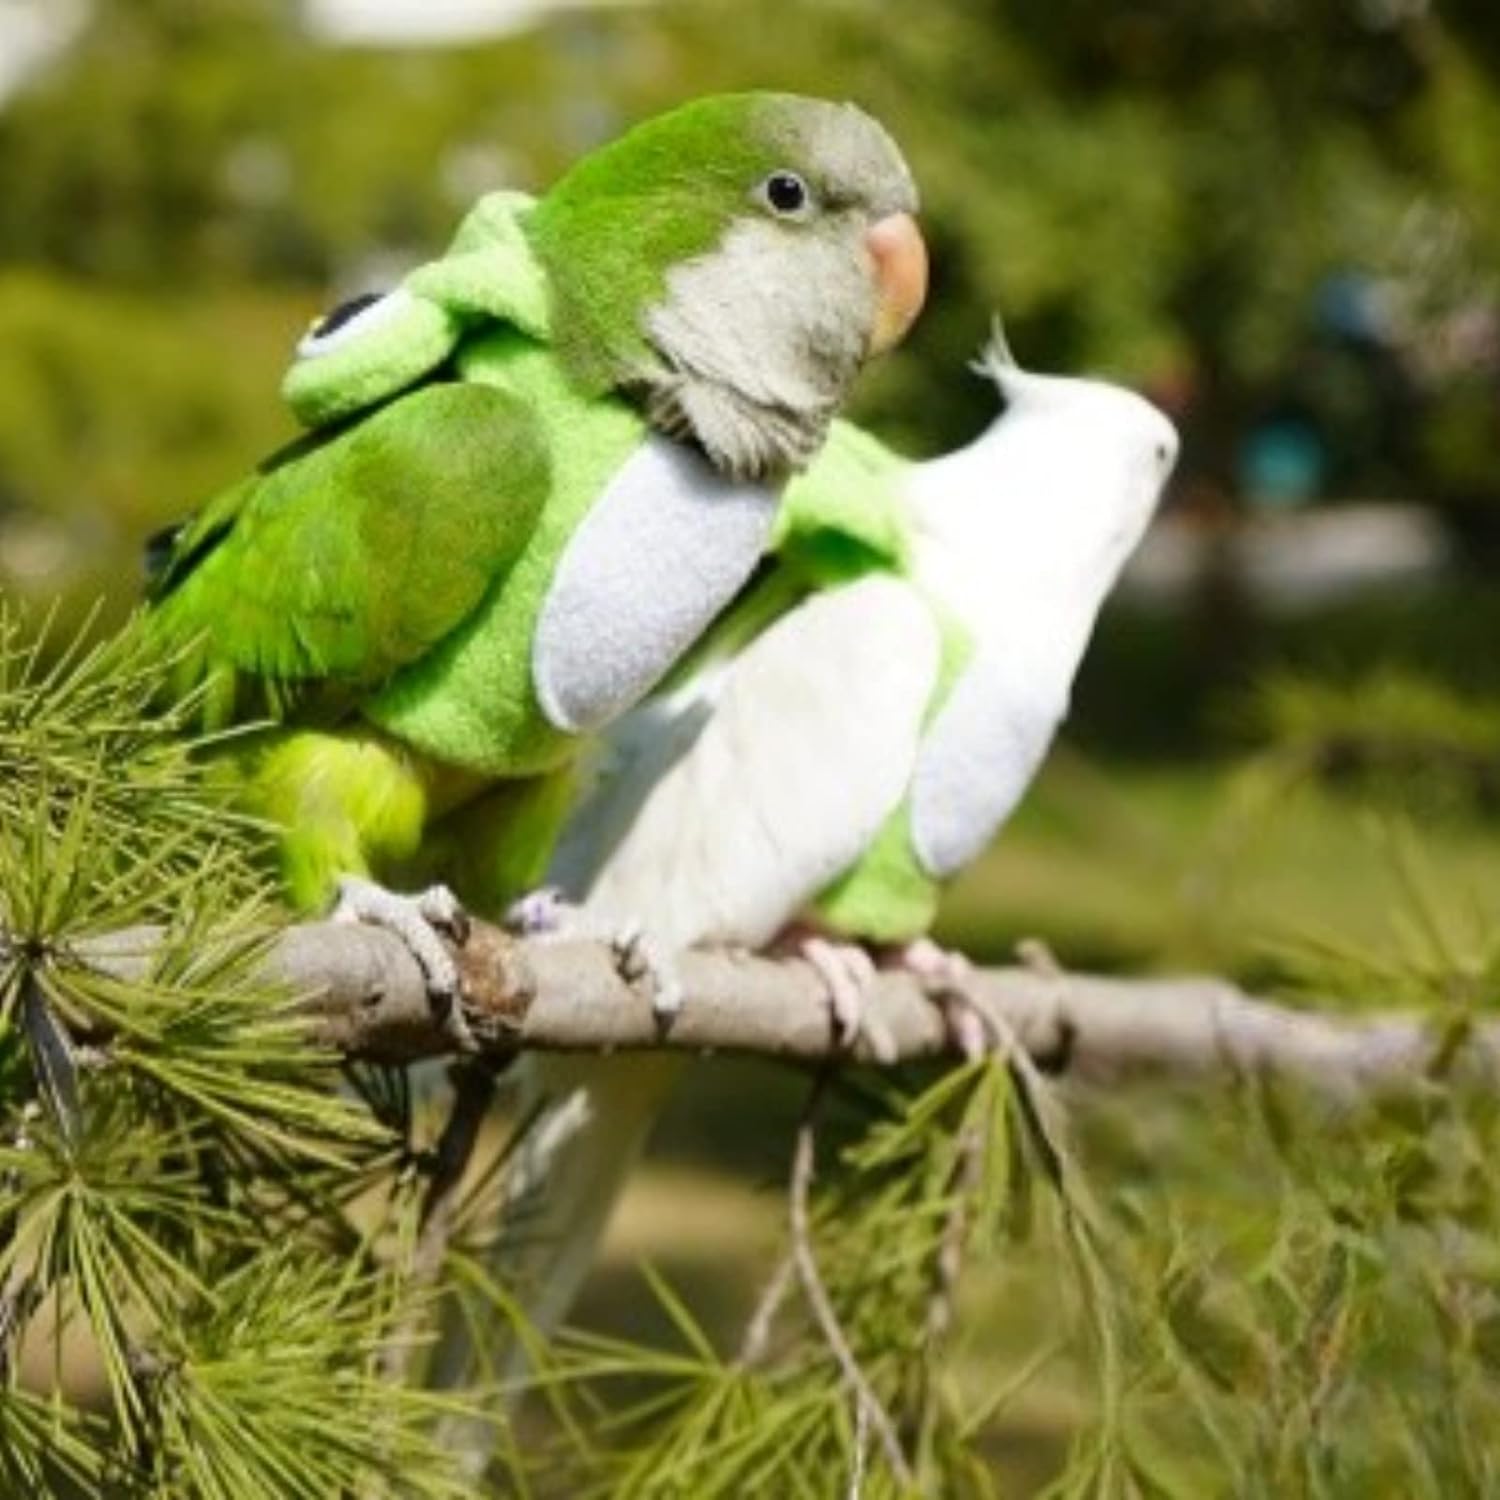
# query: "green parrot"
535, 473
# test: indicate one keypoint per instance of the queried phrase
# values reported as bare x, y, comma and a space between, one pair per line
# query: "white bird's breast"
666, 546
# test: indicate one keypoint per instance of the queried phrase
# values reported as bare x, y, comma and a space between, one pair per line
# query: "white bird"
861, 750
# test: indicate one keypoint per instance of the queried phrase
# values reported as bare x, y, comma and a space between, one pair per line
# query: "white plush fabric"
663, 550
977, 760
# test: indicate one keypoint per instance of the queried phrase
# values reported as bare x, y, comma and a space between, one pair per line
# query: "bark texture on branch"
366, 998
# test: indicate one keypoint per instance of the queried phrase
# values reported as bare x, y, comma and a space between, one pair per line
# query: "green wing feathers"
352, 553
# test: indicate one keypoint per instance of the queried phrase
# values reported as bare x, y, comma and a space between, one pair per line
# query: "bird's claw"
421, 922
848, 974
441, 909
642, 964
948, 978
547, 913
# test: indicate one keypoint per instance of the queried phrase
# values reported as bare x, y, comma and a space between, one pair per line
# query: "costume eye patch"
350, 320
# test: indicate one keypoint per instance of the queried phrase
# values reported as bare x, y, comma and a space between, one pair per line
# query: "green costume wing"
352, 553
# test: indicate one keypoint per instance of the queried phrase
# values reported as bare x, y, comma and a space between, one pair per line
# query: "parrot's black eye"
785, 193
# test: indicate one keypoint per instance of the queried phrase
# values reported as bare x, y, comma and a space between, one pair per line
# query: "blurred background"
1278, 218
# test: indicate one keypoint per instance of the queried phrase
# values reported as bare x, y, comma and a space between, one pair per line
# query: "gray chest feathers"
664, 549
758, 343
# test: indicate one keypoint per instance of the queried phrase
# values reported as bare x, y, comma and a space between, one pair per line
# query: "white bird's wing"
618, 772
810, 746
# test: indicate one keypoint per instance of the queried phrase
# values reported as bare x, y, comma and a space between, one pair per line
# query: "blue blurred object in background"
1281, 464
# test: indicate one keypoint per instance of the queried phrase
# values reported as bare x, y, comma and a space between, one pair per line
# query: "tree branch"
473, 1082
366, 998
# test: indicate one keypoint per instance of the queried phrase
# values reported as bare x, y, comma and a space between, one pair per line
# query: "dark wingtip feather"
158, 552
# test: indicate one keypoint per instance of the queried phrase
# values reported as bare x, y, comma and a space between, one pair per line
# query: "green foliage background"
1155, 191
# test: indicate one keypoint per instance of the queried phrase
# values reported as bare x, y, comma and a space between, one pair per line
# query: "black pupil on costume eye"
785, 193
346, 312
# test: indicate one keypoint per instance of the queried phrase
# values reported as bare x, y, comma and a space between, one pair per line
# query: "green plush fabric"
369, 557
472, 702
490, 270
845, 514
488, 273
888, 897
410, 339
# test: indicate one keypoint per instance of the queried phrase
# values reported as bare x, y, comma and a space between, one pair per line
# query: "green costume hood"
352, 359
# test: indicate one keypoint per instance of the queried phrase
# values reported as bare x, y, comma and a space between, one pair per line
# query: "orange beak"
899, 253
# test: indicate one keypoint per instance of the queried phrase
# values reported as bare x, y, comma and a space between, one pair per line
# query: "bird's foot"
848, 975
639, 960
423, 922
948, 977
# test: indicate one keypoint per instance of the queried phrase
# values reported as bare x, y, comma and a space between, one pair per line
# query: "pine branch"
366, 998
868, 1405
756, 1339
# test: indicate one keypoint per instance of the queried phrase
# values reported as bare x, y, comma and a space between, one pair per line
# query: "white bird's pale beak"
899, 252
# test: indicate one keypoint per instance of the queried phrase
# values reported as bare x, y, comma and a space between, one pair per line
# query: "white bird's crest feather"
996, 360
